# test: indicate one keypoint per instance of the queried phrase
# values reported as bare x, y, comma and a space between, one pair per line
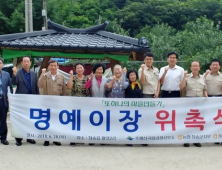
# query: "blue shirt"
1, 90
28, 80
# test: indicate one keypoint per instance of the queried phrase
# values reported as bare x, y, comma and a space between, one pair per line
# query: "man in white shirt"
170, 77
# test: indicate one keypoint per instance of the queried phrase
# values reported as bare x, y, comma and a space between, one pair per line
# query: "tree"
3, 23
116, 27
200, 40
17, 22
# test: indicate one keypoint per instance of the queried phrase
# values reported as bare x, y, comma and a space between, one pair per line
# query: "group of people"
172, 81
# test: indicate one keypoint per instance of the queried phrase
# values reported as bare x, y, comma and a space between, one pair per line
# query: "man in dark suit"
26, 82
5, 82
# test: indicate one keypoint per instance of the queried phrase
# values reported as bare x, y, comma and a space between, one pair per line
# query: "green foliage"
3, 23
190, 27
115, 27
200, 40
175, 13
131, 65
17, 21
130, 15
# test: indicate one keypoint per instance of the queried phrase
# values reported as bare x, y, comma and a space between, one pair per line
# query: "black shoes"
46, 143
18, 143
91, 144
129, 145
32, 141
197, 144
4, 142
186, 144
218, 143
72, 144
57, 143
144, 144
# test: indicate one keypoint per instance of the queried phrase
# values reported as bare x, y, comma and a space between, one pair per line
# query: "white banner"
116, 121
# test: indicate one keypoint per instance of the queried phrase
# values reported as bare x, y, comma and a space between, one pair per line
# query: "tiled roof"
61, 37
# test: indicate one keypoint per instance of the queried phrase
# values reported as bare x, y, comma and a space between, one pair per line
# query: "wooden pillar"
44, 64
134, 56
17, 63
113, 63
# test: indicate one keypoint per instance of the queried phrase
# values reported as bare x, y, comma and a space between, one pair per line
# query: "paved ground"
110, 157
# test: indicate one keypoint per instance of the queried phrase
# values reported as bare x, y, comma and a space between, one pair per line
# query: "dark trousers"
214, 95
170, 94
3, 119
18, 139
148, 95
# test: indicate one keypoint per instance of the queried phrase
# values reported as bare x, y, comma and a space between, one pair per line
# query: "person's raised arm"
205, 93
10, 84
125, 83
183, 92
156, 95
142, 75
163, 74
110, 84
42, 79
206, 73
14, 79
182, 83
70, 82
89, 82
64, 87
205, 90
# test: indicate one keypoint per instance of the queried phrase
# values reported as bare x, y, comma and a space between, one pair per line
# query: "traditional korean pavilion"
63, 42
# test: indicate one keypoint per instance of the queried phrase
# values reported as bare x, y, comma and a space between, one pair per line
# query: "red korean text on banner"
166, 116
195, 121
